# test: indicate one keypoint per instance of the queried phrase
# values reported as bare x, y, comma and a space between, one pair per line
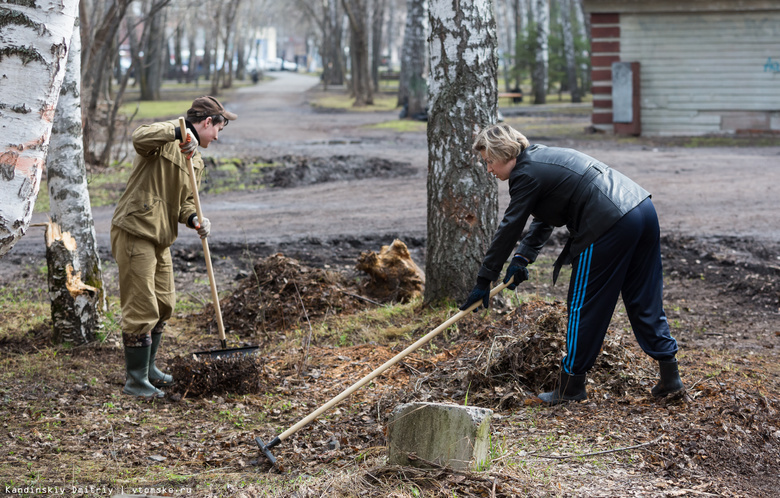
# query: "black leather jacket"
559, 187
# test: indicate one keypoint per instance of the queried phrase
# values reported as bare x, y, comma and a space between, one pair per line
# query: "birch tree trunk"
569, 51
412, 87
540, 74
75, 277
33, 51
462, 196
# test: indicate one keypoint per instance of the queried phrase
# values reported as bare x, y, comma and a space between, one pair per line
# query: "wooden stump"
73, 303
393, 275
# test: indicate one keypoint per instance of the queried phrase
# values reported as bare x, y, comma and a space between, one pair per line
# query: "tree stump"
74, 304
393, 275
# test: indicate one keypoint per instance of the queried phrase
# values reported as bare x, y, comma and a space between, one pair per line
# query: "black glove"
517, 268
481, 291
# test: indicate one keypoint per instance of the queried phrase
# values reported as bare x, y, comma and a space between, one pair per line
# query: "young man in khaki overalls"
145, 224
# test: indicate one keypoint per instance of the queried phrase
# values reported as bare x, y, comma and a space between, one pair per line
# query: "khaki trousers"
146, 288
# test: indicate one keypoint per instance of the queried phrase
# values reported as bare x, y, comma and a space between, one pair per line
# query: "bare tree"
34, 48
412, 87
462, 197
100, 23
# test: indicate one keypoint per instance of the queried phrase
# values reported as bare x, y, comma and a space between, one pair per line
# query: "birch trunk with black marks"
412, 87
540, 73
70, 209
462, 196
74, 304
33, 51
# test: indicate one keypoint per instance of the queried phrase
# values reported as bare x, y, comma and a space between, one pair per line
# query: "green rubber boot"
570, 388
137, 366
670, 383
156, 376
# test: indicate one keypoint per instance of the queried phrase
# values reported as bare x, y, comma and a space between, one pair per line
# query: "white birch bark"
33, 51
70, 207
462, 94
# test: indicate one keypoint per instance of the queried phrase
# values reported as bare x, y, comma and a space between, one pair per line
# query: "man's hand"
517, 268
202, 226
189, 145
481, 292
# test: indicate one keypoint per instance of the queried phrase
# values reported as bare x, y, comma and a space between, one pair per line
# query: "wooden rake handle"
389, 363
204, 240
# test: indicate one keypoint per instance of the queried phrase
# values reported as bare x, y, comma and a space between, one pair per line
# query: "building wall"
701, 72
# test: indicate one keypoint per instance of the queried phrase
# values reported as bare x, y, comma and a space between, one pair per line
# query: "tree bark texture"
33, 51
540, 74
412, 87
73, 303
462, 196
361, 76
569, 51
67, 179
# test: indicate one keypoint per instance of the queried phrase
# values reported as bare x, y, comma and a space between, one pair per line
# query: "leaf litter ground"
65, 422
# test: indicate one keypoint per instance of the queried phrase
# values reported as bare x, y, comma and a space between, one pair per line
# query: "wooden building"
685, 67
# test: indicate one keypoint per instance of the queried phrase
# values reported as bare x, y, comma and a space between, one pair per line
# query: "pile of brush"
198, 376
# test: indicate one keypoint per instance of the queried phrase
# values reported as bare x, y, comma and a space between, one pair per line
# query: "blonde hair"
500, 142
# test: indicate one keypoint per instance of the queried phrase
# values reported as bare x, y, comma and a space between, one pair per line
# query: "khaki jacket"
158, 193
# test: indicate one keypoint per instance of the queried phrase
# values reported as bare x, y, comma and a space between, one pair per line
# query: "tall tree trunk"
583, 34
462, 196
541, 69
521, 27
569, 51
505, 13
361, 78
332, 64
34, 49
412, 87
154, 59
76, 308
215, 35
177, 56
377, 23
208, 48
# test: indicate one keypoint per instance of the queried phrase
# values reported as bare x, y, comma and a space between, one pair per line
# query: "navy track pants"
627, 259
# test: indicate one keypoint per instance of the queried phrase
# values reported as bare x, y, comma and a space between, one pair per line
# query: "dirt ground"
721, 250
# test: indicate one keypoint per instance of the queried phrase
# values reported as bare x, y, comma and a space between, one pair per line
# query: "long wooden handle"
389, 363
204, 240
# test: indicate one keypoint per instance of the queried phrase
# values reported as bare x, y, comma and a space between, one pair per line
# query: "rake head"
266, 449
